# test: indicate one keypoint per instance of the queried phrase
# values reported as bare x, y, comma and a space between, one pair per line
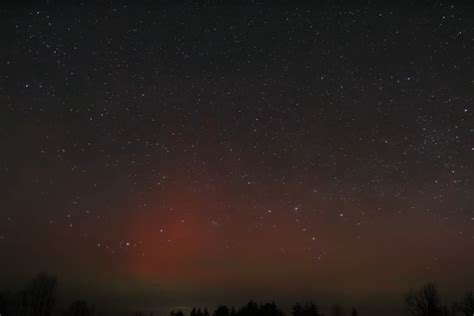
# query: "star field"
274, 150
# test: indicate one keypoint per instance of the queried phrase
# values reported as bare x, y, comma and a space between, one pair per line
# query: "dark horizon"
160, 153
41, 297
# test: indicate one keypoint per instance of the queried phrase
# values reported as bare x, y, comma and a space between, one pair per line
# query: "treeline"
38, 298
266, 309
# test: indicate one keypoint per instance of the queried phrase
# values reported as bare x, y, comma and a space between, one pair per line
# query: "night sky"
163, 155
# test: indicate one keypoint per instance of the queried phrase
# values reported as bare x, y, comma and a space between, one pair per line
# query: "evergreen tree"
309, 309
221, 310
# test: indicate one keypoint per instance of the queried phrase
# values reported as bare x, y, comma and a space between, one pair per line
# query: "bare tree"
424, 301
21, 306
39, 297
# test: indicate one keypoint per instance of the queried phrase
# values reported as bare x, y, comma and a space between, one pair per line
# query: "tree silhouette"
337, 310
467, 304
424, 301
4, 303
354, 312
21, 307
79, 308
39, 298
309, 309
270, 309
444, 311
297, 310
177, 313
221, 310
250, 309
